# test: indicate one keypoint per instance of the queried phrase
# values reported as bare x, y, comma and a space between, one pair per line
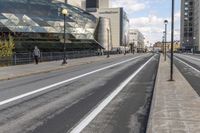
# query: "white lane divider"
83, 123
190, 57
187, 64
63, 82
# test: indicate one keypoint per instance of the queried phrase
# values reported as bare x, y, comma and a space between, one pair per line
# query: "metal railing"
27, 58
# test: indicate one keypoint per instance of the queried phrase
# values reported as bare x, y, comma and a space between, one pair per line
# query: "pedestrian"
36, 54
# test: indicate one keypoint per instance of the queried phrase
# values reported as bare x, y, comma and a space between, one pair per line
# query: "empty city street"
189, 66
112, 95
99, 66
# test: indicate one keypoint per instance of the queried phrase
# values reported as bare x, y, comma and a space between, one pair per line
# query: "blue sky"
148, 16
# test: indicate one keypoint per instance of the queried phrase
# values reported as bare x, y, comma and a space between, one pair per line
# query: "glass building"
40, 22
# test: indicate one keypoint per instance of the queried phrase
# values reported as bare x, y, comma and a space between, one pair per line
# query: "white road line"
187, 64
63, 82
190, 57
106, 101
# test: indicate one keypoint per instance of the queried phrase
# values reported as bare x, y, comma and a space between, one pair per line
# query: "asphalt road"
59, 101
189, 66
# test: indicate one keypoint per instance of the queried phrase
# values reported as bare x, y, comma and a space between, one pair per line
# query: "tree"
6, 47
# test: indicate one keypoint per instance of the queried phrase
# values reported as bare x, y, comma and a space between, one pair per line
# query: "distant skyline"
148, 16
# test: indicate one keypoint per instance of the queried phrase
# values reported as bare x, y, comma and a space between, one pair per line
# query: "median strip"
187, 64
191, 57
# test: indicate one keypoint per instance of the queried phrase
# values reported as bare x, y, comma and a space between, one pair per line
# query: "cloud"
129, 5
148, 20
151, 20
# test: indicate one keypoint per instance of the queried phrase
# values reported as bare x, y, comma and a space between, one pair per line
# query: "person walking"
36, 54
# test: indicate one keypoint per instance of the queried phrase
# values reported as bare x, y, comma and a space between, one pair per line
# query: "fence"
26, 58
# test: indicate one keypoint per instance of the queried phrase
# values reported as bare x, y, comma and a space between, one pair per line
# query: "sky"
148, 17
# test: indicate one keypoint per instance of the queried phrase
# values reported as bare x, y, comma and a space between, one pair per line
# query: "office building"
190, 25
196, 37
136, 40
41, 23
119, 26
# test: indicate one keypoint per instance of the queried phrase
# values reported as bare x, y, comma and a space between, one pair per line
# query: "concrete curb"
42, 71
153, 100
46, 71
101, 58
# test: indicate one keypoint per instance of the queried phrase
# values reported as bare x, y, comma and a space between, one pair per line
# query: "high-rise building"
196, 28
187, 17
190, 25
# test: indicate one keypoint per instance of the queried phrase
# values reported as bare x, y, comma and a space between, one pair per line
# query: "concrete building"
136, 38
158, 46
92, 5
190, 25
83, 4
95, 5
104, 33
196, 36
104, 4
119, 26
119, 23
176, 46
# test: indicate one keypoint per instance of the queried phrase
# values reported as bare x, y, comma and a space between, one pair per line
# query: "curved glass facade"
40, 22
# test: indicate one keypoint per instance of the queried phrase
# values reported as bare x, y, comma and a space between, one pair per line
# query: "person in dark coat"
36, 54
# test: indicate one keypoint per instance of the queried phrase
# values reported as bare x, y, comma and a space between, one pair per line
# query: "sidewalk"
29, 69
175, 107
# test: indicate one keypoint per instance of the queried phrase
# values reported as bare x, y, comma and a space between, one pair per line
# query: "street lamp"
163, 42
172, 43
108, 52
133, 46
165, 22
164, 45
194, 39
125, 45
64, 13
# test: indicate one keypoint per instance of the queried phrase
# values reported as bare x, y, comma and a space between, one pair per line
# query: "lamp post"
163, 42
164, 45
133, 46
165, 22
65, 13
125, 45
108, 52
172, 43
194, 39
187, 45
